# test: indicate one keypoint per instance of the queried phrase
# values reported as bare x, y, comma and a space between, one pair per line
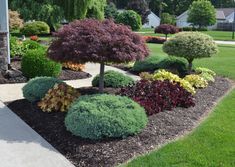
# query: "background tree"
97, 41
111, 11
141, 7
191, 45
130, 18
166, 29
15, 22
202, 13
166, 18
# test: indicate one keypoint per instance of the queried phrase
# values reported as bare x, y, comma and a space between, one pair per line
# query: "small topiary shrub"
156, 96
130, 18
58, 98
35, 28
196, 81
113, 79
105, 116
74, 66
37, 88
166, 29
163, 75
35, 63
190, 45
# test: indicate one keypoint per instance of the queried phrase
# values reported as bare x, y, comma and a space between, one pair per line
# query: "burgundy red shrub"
157, 96
152, 39
167, 29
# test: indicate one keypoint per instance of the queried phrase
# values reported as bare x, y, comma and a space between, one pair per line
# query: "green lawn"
223, 63
212, 144
217, 35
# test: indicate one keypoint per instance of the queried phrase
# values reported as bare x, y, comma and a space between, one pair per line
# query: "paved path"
226, 42
21, 146
10, 92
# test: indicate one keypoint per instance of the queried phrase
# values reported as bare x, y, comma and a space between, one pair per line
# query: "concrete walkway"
11, 92
21, 146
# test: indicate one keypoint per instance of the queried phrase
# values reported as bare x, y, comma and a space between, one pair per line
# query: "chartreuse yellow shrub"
58, 98
165, 75
206, 73
74, 66
196, 81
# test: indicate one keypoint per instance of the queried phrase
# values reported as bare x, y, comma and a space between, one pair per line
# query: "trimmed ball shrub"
130, 18
113, 79
190, 45
30, 45
35, 28
105, 116
35, 63
157, 96
37, 88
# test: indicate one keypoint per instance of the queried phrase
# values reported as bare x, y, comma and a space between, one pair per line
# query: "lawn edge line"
186, 133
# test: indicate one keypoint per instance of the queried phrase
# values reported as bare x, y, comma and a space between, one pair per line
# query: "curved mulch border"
162, 128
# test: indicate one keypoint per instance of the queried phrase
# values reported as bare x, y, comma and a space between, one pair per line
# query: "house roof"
220, 15
226, 11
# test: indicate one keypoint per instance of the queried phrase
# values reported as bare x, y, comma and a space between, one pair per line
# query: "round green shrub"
190, 45
35, 63
130, 18
37, 87
35, 28
113, 79
105, 116
30, 45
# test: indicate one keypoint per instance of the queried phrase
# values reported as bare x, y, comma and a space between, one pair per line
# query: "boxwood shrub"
35, 28
35, 63
37, 88
105, 116
113, 79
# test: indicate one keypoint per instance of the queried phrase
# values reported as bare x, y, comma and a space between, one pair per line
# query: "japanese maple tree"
96, 41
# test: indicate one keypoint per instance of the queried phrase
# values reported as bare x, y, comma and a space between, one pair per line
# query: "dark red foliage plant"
157, 96
166, 29
97, 41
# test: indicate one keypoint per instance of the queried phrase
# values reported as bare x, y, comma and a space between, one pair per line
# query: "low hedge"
105, 116
113, 79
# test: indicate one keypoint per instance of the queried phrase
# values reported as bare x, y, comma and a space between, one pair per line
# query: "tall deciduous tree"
202, 13
96, 41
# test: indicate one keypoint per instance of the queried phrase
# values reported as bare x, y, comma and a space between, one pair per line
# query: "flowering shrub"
152, 39
196, 81
163, 75
34, 38
166, 29
156, 96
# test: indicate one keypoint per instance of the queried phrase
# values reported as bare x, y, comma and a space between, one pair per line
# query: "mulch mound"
66, 74
162, 127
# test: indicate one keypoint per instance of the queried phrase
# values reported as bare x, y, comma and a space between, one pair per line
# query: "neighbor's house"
153, 21
223, 16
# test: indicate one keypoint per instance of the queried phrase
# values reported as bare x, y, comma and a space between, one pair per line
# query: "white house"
153, 21
223, 15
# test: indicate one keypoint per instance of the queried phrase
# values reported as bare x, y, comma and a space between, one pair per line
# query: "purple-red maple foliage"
96, 41
166, 29
156, 96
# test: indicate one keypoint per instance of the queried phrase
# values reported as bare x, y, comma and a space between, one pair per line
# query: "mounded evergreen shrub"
130, 18
113, 79
37, 88
105, 116
35, 28
35, 63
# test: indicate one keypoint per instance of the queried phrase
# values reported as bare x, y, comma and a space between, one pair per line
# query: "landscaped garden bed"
162, 127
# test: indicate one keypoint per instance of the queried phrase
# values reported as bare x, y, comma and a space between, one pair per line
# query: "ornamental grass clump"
191, 45
96, 41
157, 96
113, 79
105, 116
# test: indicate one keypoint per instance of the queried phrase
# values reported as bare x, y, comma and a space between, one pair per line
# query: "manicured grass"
217, 35
212, 144
223, 63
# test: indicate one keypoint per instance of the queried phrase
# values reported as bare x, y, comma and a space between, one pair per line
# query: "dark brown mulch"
66, 74
161, 128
